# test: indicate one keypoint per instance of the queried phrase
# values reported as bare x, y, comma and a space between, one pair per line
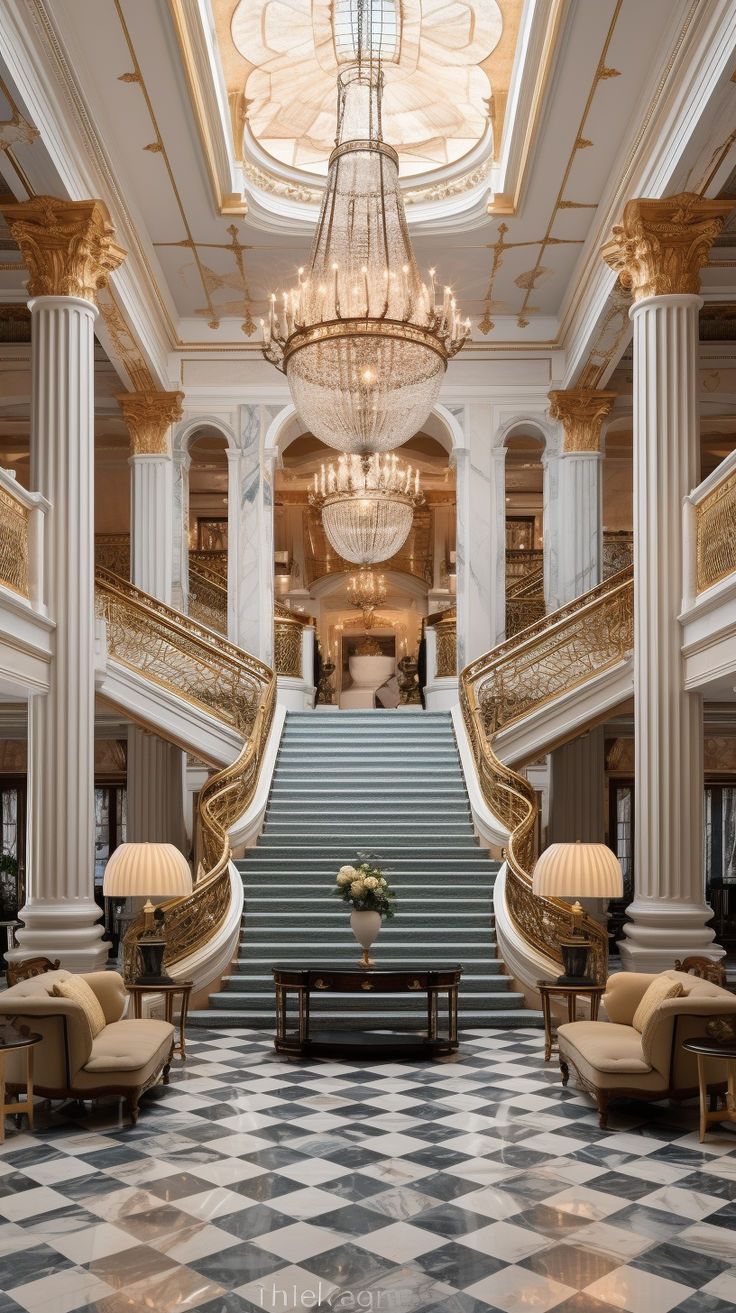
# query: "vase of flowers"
366, 888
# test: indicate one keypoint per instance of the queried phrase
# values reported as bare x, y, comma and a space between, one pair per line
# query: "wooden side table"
704, 1047
13, 1038
550, 989
305, 979
183, 987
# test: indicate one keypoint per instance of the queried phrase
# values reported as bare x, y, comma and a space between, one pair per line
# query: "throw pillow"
657, 992
78, 991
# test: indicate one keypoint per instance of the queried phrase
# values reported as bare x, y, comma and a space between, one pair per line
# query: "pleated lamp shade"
578, 870
147, 870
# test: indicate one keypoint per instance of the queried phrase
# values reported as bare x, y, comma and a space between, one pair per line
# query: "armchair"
612, 1060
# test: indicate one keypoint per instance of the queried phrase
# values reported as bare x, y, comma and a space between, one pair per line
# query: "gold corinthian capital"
581, 412
149, 416
68, 247
660, 246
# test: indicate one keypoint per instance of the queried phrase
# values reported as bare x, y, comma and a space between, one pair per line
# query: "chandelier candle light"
367, 591
367, 505
363, 340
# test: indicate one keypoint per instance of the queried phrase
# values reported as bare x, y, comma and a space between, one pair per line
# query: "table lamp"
577, 870
146, 870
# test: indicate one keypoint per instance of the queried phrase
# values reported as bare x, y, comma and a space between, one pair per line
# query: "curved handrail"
185, 657
208, 596
557, 654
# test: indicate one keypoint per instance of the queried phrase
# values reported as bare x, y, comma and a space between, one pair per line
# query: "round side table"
548, 989
11, 1038
183, 987
704, 1047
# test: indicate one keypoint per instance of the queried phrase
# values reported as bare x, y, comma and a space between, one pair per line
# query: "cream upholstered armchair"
613, 1060
125, 1058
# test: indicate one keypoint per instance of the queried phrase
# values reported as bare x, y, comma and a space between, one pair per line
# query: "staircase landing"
388, 785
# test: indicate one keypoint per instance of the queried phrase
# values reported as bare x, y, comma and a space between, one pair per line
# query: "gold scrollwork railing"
14, 543
287, 641
207, 596
715, 519
112, 552
444, 624
618, 552
182, 656
554, 655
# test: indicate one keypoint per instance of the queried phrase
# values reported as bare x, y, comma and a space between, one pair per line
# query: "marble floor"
463, 1186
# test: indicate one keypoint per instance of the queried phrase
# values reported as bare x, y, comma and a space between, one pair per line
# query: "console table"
303, 979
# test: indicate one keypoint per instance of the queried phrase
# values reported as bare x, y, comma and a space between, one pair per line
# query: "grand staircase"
391, 784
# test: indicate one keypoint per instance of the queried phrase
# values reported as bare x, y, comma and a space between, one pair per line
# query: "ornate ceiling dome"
435, 108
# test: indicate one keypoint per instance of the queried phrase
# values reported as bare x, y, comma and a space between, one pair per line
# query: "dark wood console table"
304, 979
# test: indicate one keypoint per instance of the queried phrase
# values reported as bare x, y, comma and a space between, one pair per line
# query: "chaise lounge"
124, 1059
614, 1060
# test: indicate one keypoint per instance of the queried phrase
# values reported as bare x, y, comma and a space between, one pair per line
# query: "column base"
69, 930
659, 933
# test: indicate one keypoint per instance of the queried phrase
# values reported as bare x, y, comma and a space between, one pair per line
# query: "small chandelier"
367, 505
366, 591
363, 340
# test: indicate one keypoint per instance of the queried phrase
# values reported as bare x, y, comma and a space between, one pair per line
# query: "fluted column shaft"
151, 523
61, 918
669, 912
579, 549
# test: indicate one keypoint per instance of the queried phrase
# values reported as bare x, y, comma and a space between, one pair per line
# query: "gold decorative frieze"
716, 534
68, 247
660, 246
14, 544
581, 412
149, 416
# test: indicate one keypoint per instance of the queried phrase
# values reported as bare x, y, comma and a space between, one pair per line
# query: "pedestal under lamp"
577, 870
149, 870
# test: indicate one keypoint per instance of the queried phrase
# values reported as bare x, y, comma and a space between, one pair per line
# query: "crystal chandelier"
367, 505
363, 341
366, 591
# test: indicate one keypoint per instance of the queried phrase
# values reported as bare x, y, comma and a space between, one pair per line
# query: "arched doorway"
311, 579
207, 529
524, 530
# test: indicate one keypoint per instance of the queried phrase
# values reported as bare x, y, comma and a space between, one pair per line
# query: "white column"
498, 544
580, 541
476, 531
60, 916
68, 248
155, 789
669, 911
577, 521
658, 250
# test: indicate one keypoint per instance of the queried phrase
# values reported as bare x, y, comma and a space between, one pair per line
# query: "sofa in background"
126, 1058
612, 1060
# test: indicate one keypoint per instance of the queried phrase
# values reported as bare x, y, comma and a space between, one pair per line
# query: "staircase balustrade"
208, 596
553, 656
182, 656
22, 518
714, 540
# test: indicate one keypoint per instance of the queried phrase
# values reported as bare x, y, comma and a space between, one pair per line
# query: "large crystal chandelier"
363, 341
367, 505
366, 592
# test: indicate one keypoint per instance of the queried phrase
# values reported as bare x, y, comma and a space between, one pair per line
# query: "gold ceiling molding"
613, 330
661, 245
68, 247
149, 416
581, 412
124, 343
237, 280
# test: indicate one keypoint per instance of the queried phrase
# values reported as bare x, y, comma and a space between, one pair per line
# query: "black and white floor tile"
256, 1185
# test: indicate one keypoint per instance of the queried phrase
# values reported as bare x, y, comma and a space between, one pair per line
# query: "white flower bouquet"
366, 888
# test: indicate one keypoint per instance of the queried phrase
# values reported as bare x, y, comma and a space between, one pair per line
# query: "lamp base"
153, 971
575, 959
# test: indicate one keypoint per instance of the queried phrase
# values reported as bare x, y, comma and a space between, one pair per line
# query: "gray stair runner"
390, 784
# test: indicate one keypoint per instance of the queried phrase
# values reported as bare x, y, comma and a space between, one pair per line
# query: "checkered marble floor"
478, 1183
